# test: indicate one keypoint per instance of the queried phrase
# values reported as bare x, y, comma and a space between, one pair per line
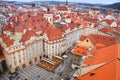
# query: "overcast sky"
83, 1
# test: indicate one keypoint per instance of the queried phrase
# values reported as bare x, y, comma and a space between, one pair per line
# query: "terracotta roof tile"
109, 71
106, 29
25, 21
108, 21
2, 57
80, 51
99, 46
53, 33
28, 35
82, 38
6, 39
83, 24
105, 40
105, 54
64, 8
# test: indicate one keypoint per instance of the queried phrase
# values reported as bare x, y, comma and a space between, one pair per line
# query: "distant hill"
114, 6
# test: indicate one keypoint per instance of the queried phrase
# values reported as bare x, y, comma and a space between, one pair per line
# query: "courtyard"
60, 70
50, 65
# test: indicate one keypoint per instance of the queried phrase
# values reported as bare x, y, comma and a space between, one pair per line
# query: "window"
14, 57
52, 46
19, 61
87, 40
110, 39
19, 56
10, 66
15, 62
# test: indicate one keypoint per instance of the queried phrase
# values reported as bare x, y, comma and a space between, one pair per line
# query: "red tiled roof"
72, 25
108, 21
80, 51
64, 8
6, 39
91, 20
118, 29
53, 33
104, 55
99, 45
26, 21
83, 24
105, 40
2, 57
82, 38
106, 29
109, 71
118, 23
28, 35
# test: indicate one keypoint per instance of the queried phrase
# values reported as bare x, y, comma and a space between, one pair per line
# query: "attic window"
92, 74
87, 40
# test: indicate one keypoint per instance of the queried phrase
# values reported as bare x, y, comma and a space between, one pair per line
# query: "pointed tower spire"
66, 2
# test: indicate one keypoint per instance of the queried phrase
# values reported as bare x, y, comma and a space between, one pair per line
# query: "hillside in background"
114, 6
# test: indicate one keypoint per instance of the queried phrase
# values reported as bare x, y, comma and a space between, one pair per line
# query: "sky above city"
83, 1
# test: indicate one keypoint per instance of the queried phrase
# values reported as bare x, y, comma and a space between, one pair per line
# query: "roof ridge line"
107, 62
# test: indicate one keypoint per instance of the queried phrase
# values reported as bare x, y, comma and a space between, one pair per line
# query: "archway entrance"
30, 62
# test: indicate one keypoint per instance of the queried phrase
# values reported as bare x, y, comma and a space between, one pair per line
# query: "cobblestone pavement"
34, 72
